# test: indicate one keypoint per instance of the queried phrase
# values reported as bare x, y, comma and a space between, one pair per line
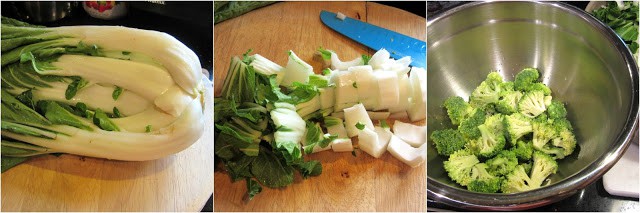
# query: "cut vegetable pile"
100, 91
623, 18
269, 116
507, 138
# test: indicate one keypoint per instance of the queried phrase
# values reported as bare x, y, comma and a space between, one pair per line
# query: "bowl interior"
578, 59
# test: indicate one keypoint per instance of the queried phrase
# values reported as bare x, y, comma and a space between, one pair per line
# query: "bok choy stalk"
100, 91
259, 131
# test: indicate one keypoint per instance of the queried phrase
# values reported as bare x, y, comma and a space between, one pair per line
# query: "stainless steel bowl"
584, 63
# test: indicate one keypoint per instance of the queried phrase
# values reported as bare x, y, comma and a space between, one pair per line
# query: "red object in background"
101, 6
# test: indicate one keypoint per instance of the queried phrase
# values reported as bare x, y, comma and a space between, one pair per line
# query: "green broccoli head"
459, 166
525, 78
488, 91
561, 124
517, 125
566, 141
533, 103
527, 166
482, 180
447, 141
489, 144
488, 186
556, 110
543, 166
523, 150
508, 103
502, 163
457, 109
539, 87
553, 140
516, 181
469, 127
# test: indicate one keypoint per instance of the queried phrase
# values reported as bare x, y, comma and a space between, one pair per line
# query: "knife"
376, 38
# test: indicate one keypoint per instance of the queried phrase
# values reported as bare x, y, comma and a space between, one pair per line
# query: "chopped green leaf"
74, 87
326, 54
101, 119
360, 126
116, 112
253, 188
116, 93
147, 128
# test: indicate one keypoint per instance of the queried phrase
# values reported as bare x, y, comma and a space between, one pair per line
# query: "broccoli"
556, 110
520, 113
517, 125
523, 150
447, 141
488, 91
508, 103
457, 109
552, 140
539, 87
482, 180
469, 127
517, 181
502, 163
459, 166
543, 166
492, 140
525, 78
565, 140
533, 103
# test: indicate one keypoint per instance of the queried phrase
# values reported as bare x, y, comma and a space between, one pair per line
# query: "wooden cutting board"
347, 183
180, 182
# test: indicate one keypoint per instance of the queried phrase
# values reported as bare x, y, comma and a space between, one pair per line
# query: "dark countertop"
189, 22
593, 198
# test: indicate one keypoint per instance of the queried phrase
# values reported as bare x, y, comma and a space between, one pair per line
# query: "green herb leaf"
116, 112
326, 54
74, 87
365, 59
116, 93
101, 119
253, 188
360, 126
147, 128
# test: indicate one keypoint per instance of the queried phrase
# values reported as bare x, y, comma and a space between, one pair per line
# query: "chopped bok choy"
287, 112
100, 91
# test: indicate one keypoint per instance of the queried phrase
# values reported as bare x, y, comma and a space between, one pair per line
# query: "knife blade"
376, 38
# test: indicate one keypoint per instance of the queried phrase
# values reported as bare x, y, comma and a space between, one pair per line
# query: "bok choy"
100, 91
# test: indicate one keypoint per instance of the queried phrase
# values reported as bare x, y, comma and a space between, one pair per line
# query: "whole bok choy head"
100, 91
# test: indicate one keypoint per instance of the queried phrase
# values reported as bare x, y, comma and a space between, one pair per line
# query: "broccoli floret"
525, 78
523, 150
469, 127
539, 87
457, 109
508, 103
488, 91
517, 181
517, 125
527, 166
543, 166
447, 141
459, 166
553, 141
533, 103
502, 163
482, 180
565, 140
556, 110
492, 140
561, 124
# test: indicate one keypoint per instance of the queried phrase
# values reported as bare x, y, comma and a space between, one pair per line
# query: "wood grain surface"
180, 182
347, 183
